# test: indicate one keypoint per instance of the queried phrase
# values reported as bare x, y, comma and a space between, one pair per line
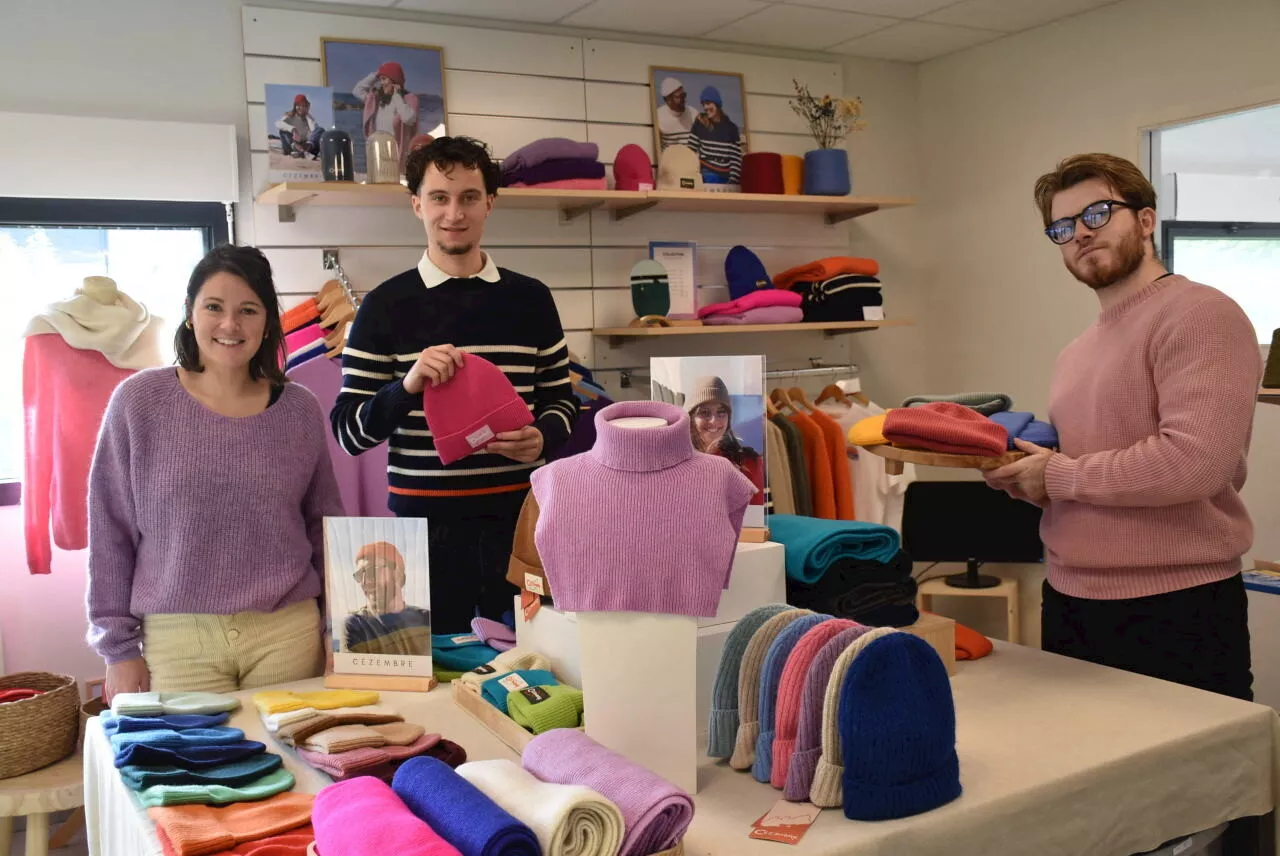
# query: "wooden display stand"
384, 683
1007, 590
940, 633
895, 457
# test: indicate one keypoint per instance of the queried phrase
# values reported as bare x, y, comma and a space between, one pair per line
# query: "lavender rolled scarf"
548, 148
656, 812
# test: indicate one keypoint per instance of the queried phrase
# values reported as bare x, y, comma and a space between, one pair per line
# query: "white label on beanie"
533, 583
646, 185
462, 640
480, 436
513, 682
873, 313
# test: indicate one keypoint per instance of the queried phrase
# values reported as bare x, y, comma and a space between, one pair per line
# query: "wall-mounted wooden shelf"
1269, 396
832, 328
574, 203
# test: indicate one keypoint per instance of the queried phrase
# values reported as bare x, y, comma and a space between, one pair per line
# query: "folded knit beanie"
231, 774
897, 726
344, 738
364, 817
468, 411
826, 791
722, 725
632, 169
790, 688
190, 757
743, 270
175, 722
945, 427
744, 746
804, 760
219, 735
281, 701
359, 762
511, 660
524, 569
770, 676
275, 782
495, 634
543, 708
296, 733
460, 651
195, 830
496, 689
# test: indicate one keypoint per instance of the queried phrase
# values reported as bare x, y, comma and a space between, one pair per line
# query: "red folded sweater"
825, 269
946, 427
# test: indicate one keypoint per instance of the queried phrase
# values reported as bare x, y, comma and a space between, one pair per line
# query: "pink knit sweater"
1154, 407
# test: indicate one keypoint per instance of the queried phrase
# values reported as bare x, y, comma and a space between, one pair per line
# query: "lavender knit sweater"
194, 512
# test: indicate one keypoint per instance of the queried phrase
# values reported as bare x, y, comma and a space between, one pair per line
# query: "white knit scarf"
102, 318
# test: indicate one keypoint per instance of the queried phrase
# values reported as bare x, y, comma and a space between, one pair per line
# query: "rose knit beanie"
826, 791
945, 427
722, 725
632, 169
364, 817
468, 411
790, 687
508, 661
804, 760
897, 727
744, 747
770, 676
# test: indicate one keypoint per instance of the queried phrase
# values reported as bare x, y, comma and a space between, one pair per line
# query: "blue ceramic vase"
826, 173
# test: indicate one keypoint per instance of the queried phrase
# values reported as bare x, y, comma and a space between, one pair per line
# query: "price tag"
513, 682
786, 822
534, 583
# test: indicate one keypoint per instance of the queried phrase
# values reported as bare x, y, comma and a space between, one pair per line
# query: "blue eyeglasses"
1095, 216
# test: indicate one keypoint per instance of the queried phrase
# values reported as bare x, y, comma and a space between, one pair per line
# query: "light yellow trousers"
225, 653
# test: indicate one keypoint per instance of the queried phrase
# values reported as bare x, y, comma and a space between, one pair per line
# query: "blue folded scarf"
113, 724
496, 694
459, 812
163, 737
459, 652
191, 757
813, 545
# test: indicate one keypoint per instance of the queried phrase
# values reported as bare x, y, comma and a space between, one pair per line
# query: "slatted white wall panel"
507, 89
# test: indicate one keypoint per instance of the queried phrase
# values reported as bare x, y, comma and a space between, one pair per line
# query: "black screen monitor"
966, 521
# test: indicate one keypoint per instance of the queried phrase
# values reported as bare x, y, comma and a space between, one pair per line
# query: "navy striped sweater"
719, 149
513, 323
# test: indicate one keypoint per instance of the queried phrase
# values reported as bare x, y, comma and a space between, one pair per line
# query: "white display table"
1057, 758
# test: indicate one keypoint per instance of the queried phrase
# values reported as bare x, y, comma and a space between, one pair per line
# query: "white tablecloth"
1057, 758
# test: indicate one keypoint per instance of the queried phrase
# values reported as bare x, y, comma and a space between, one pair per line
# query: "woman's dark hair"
447, 152
729, 446
252, 266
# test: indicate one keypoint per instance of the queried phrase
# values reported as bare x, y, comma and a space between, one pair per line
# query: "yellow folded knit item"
281, 701
868, 432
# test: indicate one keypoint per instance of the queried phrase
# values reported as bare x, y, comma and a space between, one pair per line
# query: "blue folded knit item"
232, 774
1014, 422
722, 724
1040, 433
114, 723
496, 694
770, 677
218, 736
191, 757
459, 652
459, 812
897, 722
812, 545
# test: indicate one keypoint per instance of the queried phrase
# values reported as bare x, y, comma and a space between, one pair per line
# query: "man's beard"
1129, 254
456, 249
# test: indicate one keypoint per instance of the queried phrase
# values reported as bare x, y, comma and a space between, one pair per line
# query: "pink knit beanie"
790, 687
467, 412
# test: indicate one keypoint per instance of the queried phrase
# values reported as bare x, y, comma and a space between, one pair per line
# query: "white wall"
1222, 197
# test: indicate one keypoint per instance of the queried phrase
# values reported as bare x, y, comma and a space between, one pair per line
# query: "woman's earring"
188, 323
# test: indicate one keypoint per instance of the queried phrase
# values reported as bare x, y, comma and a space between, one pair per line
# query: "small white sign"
513, 682
681, 261
873, 313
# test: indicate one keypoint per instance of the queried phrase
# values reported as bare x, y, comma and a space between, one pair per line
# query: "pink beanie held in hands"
468, 411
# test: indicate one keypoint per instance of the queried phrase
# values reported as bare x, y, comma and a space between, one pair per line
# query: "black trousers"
468, 551
1198, 637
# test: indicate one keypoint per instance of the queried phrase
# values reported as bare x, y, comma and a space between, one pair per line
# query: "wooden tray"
895, 457
506, 729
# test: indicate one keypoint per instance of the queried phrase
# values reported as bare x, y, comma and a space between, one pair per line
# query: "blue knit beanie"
722, 724
710, 93
897, 731
744, 272
496, 694
770, 677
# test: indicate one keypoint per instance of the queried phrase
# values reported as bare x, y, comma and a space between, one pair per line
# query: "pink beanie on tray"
467, 412
790, 690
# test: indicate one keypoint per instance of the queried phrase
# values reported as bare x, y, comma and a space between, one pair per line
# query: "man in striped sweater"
411, 331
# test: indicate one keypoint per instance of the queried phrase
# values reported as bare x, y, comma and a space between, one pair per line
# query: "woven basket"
39, 731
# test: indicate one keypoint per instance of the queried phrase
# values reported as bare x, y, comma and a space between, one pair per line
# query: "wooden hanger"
797, 394
574, 377
831, 391
781, 400
339, 313
770, 409
328, 294
337, 340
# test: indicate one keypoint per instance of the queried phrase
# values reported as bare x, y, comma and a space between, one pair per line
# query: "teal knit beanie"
722, 725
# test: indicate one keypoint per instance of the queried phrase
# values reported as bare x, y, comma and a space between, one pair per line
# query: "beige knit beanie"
827, 790
744, 747
508, 661
705, 390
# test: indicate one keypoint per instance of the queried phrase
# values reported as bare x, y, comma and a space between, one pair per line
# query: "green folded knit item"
232, 774
267, 786
444, 676
541, 709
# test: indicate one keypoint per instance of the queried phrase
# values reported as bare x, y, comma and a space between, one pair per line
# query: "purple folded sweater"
804, 761
560, 169
655, 812
763, 315
549, 148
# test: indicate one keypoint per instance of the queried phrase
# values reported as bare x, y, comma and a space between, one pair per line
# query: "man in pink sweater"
1143, 522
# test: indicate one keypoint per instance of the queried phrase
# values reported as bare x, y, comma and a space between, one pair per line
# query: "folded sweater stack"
555, 162
836, 288
965, 424
874, 593
766, 306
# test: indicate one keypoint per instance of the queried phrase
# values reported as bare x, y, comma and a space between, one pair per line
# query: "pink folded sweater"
763, 315
754, 300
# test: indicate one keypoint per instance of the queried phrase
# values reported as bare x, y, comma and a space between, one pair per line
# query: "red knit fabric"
7, 696
790, 691
946, 427
293, 843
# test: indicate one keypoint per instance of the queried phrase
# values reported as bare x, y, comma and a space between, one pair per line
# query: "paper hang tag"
486, 669
535, 695
533, 583
463, 640
530, 603
513, 682
480, 436
786, 822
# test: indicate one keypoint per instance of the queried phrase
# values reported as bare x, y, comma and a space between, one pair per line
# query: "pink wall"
42, 619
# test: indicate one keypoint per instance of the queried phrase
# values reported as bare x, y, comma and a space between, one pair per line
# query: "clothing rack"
815, 368
333, 263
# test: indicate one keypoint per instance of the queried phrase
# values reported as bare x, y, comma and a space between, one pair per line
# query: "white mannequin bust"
639, 422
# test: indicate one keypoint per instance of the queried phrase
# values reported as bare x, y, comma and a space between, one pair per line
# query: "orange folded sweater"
201, 830
294, 843
825, 269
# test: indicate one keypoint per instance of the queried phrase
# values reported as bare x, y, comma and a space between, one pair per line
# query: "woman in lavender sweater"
206, 499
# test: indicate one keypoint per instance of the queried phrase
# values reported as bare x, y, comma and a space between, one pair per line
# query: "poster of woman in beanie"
706, 111
379, 595
724, 398
384, 86
296, 117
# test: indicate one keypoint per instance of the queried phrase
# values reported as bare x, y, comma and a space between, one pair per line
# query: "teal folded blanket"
459, 652
813, 545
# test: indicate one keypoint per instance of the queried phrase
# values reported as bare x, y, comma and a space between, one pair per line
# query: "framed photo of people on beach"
378, 596
724, 398
384, 86
706, 111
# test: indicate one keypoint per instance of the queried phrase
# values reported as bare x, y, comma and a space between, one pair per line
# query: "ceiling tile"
668, 17
541, 12
800, 27
914, 41
385, 3
889, 8
1011, 16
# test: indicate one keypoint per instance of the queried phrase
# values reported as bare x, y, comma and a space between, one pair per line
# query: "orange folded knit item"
825, 269
970, 644
201, 830
946, 427
293, 843
304, 313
